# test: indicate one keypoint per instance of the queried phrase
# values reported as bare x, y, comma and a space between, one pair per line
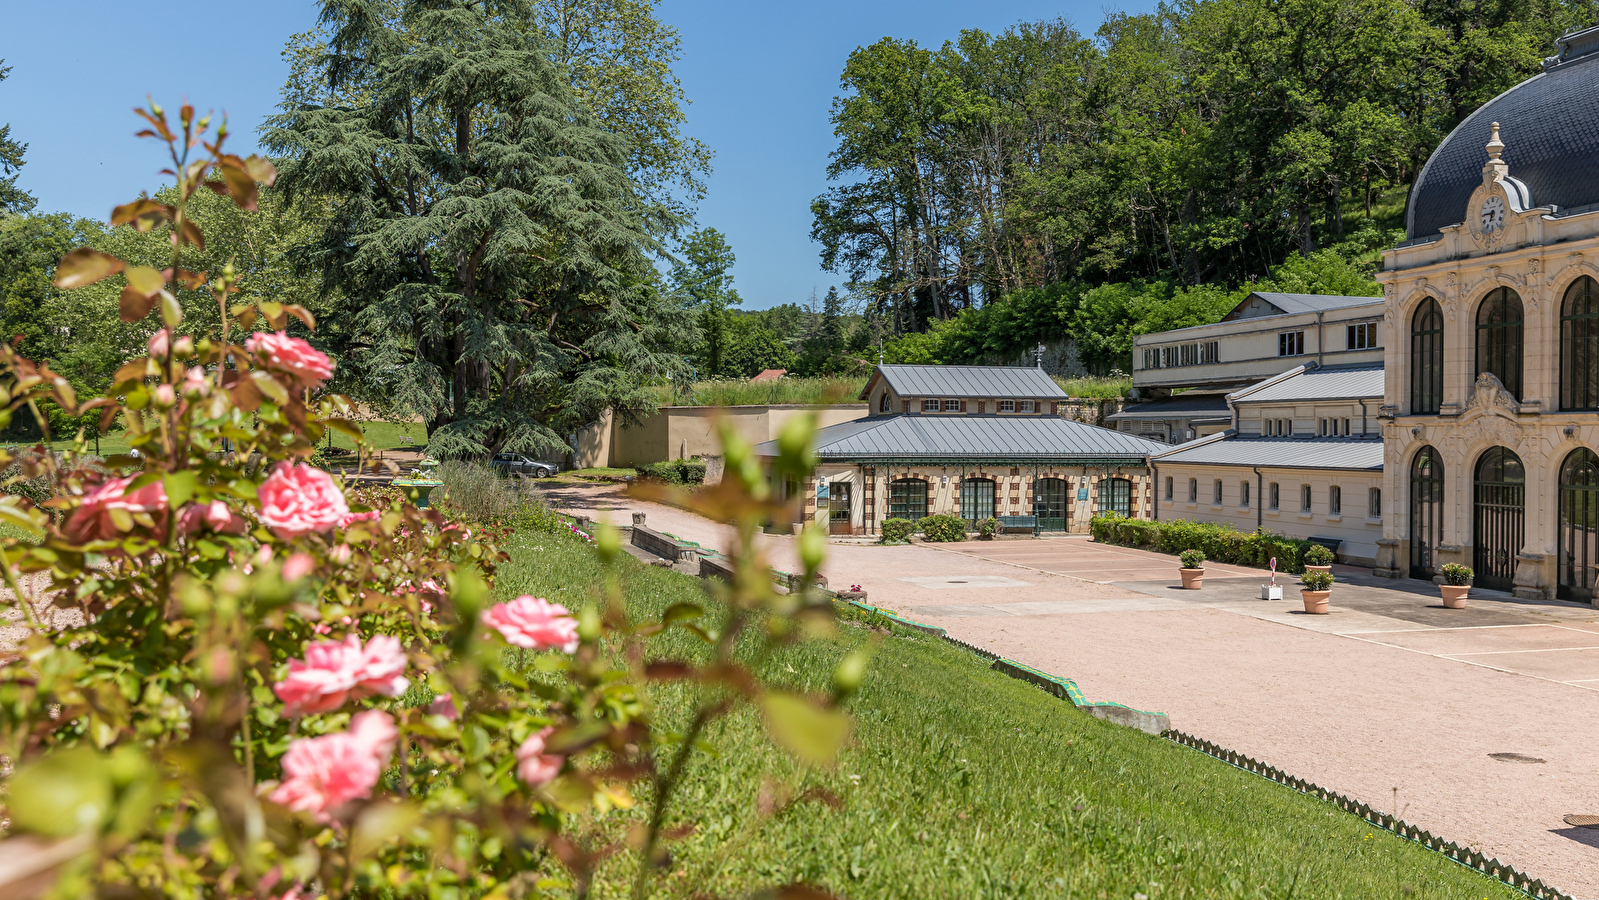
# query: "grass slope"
964, 783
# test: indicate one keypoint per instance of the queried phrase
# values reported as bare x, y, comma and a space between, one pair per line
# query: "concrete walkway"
1485, 720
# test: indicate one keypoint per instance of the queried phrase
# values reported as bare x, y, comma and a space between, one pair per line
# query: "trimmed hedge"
988, 527
943, 529
675, 471
898, 531
1220, 543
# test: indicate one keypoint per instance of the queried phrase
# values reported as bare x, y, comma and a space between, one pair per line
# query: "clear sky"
761, 75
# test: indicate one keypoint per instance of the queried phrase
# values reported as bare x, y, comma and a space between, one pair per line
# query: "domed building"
1491, 394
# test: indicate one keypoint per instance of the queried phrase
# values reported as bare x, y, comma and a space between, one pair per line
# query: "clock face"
1493, 214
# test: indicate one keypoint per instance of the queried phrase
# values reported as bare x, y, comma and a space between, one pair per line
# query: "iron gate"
1049, 504
1579, 525
1498, 517
1426, 512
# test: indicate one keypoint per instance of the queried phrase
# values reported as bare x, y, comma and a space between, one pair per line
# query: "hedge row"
1220, 543
675, 471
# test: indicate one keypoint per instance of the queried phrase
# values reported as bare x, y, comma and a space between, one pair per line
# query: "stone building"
1303, 457
974, 442
1491, 401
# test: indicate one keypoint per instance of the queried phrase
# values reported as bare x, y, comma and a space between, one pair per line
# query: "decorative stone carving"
1534, 266
1489, 393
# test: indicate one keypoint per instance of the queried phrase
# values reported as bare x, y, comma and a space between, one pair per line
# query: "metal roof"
1354, 453
966, 381
1327, 383
1550, 127
976, 437
1292, 304
1178, 407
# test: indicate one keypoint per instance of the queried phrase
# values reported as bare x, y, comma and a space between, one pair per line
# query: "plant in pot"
1318, 559
1457, 581
1192, 572
1318, 585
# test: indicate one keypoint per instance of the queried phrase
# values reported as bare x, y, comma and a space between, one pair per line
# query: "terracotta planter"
1315, 601
1326, 568
1454, 595
1193, 579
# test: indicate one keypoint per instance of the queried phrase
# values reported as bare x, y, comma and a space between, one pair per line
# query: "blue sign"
1082, 493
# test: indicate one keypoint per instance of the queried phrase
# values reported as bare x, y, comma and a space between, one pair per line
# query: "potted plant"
1318, 559
1317, 586
1192, 572
1457, 581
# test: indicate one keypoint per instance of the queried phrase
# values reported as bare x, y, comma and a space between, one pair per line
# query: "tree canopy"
12, 198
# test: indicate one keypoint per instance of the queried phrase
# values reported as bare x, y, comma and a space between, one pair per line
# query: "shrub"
1457, 574
988, 527
898, 531
1318, 555
1318, 580
1192, 559
1219, 543
943, 529
674, 471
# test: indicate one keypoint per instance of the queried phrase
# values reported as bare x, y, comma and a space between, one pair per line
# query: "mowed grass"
964, 783
381, 435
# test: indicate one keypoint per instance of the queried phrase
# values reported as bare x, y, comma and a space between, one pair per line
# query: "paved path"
1390, 690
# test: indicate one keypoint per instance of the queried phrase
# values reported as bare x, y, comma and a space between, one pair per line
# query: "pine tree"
13, 199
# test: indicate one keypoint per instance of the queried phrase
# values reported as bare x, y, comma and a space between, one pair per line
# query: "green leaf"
380, 823
681, 612
83, 267
179, 487
64, 793
811, 732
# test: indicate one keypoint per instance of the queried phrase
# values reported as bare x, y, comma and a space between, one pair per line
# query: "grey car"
519, 464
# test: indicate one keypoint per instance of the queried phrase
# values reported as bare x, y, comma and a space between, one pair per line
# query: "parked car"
525, 466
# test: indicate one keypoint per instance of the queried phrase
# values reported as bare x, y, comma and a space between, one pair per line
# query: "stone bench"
663, 545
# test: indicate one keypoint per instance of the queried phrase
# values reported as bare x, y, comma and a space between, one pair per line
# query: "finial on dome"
1495, 145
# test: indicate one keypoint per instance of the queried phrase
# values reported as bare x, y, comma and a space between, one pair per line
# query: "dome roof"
1550, 124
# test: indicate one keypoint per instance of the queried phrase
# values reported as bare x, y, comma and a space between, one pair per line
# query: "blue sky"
761, 76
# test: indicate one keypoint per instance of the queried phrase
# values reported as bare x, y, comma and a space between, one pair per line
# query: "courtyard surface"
1481, 725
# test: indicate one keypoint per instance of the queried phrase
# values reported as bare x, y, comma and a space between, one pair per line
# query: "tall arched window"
1499, 338
1579, 345
977, 499
884, 406
1426, 359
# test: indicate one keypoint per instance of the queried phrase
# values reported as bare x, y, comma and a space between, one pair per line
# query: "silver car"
522, 465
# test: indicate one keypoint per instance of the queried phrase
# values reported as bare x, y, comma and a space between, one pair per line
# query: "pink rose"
298, 500
297, 566
533, 765
352, 518
166, 396
291, 356
160, 343
323, 773
215, 515
534, 623
444, 705
334, 671
96, 515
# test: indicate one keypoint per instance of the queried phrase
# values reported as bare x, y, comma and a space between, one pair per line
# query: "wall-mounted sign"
1082, 493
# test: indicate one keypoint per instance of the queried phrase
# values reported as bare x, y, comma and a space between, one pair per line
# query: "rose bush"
239, 681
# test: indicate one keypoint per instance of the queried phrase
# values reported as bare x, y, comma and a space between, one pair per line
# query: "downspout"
1362, 417
1155, 507
1320, 347
1260, 500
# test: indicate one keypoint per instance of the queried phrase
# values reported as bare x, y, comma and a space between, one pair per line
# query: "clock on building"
1493, 214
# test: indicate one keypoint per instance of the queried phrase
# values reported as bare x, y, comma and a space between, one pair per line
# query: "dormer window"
952, 406
929, 406
1025, 406
1007, 406
885, 404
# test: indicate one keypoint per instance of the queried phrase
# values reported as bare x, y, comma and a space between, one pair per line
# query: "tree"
752, 348
12, 198
488, 244
703, 281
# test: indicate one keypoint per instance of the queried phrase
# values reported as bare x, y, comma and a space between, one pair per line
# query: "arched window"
1499, 338
1426, 512
1579, 346
1579, 524
907, 498
1116, 495
1426, 359
977, 499
885, 404
1374, 503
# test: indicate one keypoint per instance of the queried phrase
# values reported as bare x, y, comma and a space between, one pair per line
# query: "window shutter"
963, 406
982, 406
907, 405
1054, 408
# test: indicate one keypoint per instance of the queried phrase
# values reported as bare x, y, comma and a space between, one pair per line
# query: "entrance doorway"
838, 509
1498, 514
1426, 512
1579, 525
1049, 504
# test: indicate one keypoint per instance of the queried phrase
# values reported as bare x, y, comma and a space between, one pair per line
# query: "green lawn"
964, 783
382, 435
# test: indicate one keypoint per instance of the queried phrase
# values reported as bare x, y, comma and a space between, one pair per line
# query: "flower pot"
1454, 595
1315, 601
1271, 592
1327, 568
859, 596
1193, 579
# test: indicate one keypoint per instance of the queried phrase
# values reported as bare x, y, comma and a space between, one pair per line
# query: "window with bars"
1217, 499
1243, 494
1304, 498
1374, 503
1273, 495
1335, 501
1193, 490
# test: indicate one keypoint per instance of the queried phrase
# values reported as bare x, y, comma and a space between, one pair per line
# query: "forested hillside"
1133, 178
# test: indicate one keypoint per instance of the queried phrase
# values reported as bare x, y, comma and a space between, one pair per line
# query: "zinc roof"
1355, 453
904, 437
1329, 383
966, 381
1180, 406
1303, 303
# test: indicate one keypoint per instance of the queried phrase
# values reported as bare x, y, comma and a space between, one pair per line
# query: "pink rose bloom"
444, 705
323, 773
352, 518
298, 500
533, 765
160, 342
291, 356
166, 396
297, 566
93, 521
215, 515
534, 623
335, 671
